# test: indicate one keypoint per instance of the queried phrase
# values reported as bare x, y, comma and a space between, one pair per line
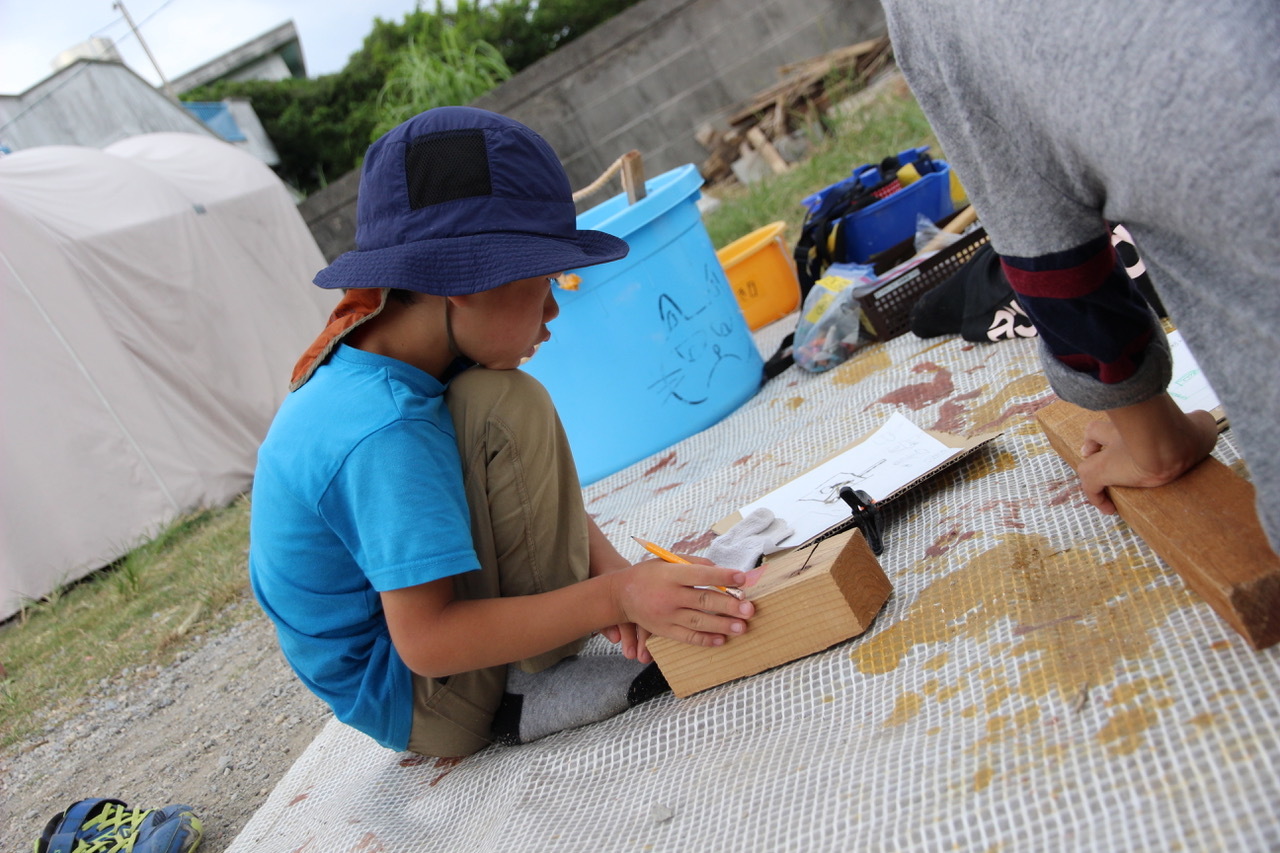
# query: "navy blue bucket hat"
457, 200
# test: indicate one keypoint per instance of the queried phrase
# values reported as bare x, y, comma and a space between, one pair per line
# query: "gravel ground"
216, 729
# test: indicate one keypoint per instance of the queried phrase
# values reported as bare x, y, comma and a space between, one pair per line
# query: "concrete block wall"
331, 215
646, 80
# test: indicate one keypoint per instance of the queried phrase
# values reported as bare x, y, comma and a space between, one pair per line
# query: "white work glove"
742, 546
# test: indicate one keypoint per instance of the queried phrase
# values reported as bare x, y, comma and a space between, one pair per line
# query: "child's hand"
664, 599
632, 638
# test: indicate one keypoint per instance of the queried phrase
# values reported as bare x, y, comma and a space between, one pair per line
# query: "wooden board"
633, 176
806, 601
1203, 524
761, 143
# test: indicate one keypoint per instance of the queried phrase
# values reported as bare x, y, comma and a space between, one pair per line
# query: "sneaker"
110, 826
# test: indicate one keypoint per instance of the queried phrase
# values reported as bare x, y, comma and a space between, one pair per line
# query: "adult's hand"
1148, 444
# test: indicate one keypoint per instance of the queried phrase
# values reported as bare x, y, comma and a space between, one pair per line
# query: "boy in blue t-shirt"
417, 523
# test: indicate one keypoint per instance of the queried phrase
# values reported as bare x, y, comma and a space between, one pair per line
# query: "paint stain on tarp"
986, 464
905, 709
936, 662
1205, 720
1010, 511
942, 343
1123, 732
1065, 491
996, 410
447, 765
918, 395
694, 544
413, 760
1074, 621
666, 460
948, 540
1029, 427
369, 843
871, 360
951, 412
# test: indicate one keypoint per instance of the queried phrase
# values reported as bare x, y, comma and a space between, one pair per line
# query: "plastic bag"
927, 230
832, 326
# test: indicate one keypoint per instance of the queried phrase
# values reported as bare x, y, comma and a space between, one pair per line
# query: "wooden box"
806, 600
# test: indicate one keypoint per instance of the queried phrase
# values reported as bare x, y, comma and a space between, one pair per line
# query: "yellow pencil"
663, 554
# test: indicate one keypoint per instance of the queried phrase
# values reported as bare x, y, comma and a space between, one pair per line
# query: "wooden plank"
633, 176
961, 221
761, 143
839, 56
1204, 525
806, 600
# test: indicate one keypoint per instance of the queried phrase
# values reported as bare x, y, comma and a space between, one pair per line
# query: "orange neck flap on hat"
357, 305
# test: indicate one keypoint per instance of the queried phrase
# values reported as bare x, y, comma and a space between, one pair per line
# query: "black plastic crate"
888, 308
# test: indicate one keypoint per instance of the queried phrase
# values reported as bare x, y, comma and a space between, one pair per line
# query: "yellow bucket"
762, 275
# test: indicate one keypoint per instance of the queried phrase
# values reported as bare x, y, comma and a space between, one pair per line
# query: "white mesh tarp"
1038, 679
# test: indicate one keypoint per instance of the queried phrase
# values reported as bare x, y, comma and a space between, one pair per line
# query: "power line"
168, 90
121, 19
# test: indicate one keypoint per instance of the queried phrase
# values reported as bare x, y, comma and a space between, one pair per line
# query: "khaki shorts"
528, 525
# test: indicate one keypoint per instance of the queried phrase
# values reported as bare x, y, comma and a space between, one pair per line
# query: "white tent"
153, 299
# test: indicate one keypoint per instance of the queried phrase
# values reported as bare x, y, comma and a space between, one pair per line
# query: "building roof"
282, 41
93, 103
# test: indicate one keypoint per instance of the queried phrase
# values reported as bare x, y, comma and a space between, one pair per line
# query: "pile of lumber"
805, 92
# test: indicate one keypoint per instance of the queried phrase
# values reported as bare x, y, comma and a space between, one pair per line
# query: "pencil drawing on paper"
896, 454
828, 491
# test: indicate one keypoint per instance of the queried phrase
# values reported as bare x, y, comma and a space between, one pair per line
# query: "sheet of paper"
1189, 389
893, 456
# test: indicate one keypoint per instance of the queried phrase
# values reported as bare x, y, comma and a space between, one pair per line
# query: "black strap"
781, 359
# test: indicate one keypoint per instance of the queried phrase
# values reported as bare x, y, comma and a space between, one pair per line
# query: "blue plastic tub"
652, 348
891, 220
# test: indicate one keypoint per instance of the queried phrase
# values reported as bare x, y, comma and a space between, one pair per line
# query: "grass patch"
889, 123
136, 613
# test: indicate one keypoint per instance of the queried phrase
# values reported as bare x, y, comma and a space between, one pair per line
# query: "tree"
322, 126
447, 73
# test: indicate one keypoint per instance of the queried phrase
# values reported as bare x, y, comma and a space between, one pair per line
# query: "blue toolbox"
885, 201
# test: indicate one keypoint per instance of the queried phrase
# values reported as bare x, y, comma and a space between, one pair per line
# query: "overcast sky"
182, 34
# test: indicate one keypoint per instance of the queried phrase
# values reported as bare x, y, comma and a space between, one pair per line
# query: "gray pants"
1160, 114
529, 528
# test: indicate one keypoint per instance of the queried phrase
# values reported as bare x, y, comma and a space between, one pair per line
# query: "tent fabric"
153, 298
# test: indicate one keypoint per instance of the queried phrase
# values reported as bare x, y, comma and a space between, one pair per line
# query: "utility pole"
168, 90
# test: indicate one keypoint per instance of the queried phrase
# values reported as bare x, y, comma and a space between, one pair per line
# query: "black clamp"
866, 516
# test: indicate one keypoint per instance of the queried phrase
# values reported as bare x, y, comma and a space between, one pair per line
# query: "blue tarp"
217, 118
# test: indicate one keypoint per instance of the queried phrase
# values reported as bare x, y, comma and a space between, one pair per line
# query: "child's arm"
1147, 444
438, 635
